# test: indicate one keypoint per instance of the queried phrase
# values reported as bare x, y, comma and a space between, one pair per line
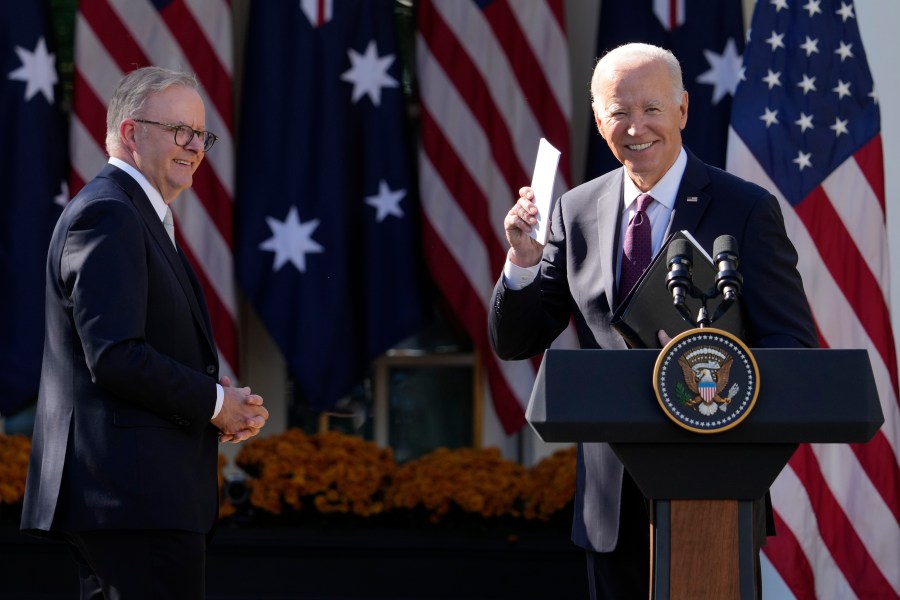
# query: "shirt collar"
153, 194
665, 189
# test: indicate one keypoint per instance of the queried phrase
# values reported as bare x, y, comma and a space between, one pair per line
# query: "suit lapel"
691, 201
609, 202
180, 267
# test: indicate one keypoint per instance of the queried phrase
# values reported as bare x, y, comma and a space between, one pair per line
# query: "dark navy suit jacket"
577, 283
122, 437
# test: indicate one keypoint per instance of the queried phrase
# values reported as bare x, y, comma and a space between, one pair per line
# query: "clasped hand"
242, 414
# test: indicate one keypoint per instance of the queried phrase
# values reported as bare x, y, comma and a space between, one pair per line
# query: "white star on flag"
839, 127
368, 73
291, 240
803, 159
386, 202
808, 84
813, 7
772, 79
810, 46
805, 122
776, 40
845, 11
724, 71
770, 117
38, 71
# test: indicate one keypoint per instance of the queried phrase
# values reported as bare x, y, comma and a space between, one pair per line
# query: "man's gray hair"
131, 95
638, 52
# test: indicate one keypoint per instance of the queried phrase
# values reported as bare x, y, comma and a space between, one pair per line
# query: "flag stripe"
114, 37
467, 282
851, 556
860, 211
847, 267
214, 20
467, 144
870, 160
505, 98
493, 80
550, 51
124, 50
83, 164
511, 37
465, 191
800, 523
490, 134
89, 110
847, 482
212, 256
788, 551
205, 62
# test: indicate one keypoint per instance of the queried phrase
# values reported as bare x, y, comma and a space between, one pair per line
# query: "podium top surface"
805, 395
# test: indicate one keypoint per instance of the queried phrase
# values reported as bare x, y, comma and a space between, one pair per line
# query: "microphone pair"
728, 279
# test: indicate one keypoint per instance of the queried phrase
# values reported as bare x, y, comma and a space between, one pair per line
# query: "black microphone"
728, 280
678, 280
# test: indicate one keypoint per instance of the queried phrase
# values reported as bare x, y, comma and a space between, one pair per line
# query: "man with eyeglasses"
125, 448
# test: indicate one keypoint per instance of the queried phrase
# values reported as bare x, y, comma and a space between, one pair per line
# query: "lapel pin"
692, 198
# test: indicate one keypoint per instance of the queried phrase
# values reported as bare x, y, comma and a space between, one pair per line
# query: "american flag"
32, 168
493, 79
112, 38
327, 249
806, 126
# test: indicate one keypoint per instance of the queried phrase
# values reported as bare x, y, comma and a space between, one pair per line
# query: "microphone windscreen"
725, 243
680, 248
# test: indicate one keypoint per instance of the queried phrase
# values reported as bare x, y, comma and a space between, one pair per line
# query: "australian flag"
326, 212
33, 172
707, 39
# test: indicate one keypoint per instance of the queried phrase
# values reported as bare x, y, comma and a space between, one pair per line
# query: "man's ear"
127, 132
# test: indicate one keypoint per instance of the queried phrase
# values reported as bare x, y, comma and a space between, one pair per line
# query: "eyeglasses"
184, 134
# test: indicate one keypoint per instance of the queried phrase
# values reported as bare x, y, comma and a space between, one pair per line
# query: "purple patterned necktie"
637, 250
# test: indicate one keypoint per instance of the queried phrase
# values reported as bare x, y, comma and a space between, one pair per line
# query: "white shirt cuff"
516, 277
220, 399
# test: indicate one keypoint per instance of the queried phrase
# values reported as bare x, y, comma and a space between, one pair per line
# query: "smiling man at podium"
602, 235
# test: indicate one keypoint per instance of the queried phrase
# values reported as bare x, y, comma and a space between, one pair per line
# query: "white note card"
542, 185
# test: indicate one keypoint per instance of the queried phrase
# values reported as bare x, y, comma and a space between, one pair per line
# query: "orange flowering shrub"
551, 485
343, 474
14, 452
477, 481
337, 473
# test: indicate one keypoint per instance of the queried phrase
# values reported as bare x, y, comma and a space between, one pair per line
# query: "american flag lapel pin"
692, 198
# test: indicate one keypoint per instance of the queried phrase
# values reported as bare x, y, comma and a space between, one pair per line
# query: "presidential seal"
706, 380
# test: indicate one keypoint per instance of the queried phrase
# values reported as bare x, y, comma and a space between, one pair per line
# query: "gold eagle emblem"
706, 372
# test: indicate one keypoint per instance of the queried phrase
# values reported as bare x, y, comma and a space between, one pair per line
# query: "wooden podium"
703, 486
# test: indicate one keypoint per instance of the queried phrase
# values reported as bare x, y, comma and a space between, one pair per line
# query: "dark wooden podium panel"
704, 540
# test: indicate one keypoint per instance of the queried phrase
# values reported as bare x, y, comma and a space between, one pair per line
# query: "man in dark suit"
130, 414
640, 108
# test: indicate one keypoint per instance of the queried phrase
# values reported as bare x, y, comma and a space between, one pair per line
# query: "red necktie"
637, 250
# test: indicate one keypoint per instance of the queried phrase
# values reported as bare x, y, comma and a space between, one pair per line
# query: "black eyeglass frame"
205, 136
